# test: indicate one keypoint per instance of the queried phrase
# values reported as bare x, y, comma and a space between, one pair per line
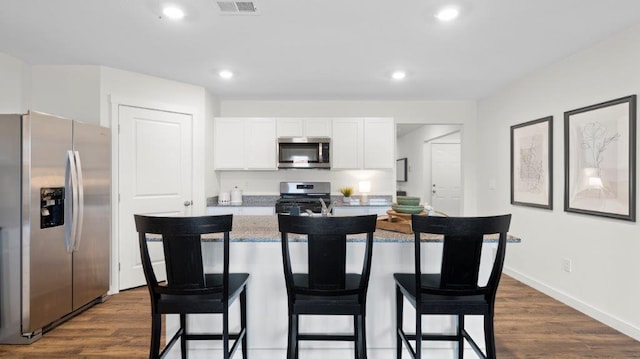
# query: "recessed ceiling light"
225, 74
173, 12
447, 14
398, 75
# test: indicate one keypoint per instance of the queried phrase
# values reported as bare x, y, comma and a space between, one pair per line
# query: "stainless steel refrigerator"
55, 217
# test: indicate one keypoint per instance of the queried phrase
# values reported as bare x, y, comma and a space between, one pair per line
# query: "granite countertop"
265, 229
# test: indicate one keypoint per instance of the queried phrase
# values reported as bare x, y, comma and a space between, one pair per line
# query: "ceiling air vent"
238, 7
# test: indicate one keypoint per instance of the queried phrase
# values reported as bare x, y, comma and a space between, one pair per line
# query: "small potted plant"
346, 192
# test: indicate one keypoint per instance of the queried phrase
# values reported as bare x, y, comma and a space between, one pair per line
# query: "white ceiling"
316, 49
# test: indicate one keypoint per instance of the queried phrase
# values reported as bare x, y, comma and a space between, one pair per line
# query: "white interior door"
446, 193
154, 160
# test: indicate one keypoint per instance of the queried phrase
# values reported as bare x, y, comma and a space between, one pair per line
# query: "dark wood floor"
528, 324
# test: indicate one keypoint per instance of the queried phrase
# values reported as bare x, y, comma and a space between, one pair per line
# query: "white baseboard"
605, 318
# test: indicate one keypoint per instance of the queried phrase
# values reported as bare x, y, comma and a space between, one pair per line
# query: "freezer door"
46, 258
91, 259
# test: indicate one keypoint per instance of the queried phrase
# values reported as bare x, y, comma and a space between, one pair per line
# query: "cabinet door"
290, 127
304, 127
346, 143
258, 211
379, 149
260, 150
350, 211
220, 210
228, 143
317, 127
241, 211
359, 211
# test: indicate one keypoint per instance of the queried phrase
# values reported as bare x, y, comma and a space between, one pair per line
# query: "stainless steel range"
305, 195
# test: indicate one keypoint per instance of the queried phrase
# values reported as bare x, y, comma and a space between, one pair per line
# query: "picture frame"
401, 170
600, 159
532, 163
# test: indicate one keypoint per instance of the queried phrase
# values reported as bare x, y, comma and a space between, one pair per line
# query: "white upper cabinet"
290, 127
228, 143
346, 143
260, 149
363, 143
304, 127
251, 143
379, 148
244, 144
317, 127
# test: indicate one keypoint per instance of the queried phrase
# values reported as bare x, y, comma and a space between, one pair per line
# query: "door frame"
197, 172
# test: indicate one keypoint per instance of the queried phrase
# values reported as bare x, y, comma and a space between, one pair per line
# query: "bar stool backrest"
181, 241
327, 248
462, 248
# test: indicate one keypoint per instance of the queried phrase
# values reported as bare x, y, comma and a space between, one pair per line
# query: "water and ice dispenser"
51, 207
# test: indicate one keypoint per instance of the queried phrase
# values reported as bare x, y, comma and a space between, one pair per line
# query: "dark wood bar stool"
188, 289
455, 290
326, 288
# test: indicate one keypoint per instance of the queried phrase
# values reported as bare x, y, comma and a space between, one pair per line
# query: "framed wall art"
600, 159
401, 170
532, 163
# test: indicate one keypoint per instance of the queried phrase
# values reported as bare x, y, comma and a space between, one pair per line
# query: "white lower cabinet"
241, 211
360, 210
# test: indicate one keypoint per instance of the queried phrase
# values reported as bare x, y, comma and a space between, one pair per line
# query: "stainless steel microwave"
304, 152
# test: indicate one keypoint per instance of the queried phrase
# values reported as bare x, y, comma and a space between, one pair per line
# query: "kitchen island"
256, 249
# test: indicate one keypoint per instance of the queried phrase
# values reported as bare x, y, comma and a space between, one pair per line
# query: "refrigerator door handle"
80, 201
72, 191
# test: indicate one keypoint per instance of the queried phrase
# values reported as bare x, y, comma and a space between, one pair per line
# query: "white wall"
15, 85
412, 146
604, 252
455, 112
67, 91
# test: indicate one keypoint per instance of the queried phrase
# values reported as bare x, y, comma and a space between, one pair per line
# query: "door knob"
188, 203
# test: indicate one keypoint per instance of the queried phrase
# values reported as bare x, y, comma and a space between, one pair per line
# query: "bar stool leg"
292, 349
418, 334
243, 321
156, 326
183, 337
399, 311
225, 332
356, 335
489, 336
460, 337
362, 334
